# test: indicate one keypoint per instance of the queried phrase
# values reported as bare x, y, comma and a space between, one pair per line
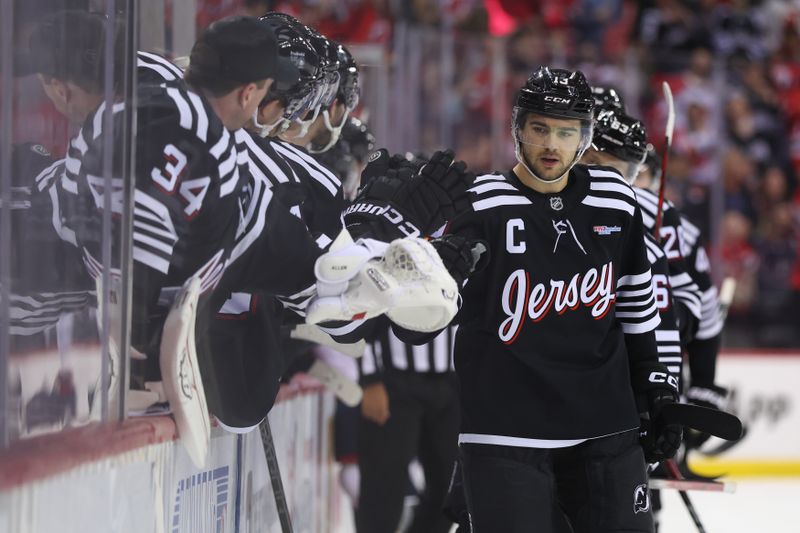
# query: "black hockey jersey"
671, 240
549, 328
668, 337
201, 206
700, 269
47, 277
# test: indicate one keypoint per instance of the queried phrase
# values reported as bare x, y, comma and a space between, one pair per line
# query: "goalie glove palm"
409, 283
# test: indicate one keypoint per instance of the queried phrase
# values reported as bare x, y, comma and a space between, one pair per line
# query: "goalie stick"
275, 476
667, 145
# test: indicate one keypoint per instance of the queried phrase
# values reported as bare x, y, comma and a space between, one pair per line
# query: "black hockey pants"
599, 486
423, 424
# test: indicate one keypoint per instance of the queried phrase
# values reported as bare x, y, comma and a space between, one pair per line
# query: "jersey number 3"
191, 191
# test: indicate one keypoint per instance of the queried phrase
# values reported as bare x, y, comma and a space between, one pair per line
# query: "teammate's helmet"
349, 91
293, 45
622, 136
555, 93
605, 98
327, 51
347, 94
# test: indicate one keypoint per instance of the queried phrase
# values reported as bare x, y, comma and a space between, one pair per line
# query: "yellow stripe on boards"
742, 469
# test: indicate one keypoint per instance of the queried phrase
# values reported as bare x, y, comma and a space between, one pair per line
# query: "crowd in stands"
734, 66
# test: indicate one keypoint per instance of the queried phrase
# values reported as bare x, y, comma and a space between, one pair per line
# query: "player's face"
550, 144
597, 157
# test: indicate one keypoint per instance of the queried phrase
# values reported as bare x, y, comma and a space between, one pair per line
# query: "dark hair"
70, 46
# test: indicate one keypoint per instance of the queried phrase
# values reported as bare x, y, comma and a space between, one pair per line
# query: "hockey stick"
667, 145
675, 474
726, 292
686, 485
713, 421
347, 390
275, 476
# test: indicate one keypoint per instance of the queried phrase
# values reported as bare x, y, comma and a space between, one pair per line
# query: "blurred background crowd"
441, 73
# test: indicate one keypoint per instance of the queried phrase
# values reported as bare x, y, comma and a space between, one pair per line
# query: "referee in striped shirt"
410, 409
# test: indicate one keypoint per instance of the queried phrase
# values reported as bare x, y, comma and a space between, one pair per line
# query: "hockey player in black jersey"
556, 352
620, 141
703, 348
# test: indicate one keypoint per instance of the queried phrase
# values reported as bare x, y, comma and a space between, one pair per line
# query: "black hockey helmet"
349, 91
347, 94
329, 61
292, 44
621, 136
607, 97
555, 93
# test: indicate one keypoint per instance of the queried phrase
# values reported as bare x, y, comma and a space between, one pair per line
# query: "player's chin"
550, 173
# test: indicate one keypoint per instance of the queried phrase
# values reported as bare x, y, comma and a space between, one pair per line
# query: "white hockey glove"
406, 280
180, 372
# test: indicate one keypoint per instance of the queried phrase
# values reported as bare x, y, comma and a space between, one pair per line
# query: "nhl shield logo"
641, 499
556, 203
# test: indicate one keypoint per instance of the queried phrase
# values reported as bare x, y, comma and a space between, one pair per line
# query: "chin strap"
335, 131
265, 129
305, 124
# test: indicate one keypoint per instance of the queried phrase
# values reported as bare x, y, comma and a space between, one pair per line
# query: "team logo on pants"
641, 499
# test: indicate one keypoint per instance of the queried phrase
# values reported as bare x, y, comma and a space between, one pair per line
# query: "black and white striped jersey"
668, 337
47, 279
386, 353
700, 269
671, 239
202, 207
154, 69
549, 328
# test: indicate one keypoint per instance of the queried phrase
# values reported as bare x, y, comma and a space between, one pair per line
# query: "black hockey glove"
711, 396
408, 200
655, 387
461, 257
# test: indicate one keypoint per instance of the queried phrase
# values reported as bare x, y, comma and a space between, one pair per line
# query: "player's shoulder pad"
490, 191
172, 112
608, 189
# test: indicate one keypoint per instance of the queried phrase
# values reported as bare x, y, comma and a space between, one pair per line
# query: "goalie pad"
183, 384
409, 284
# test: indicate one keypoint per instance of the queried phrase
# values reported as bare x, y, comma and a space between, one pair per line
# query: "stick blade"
713, 421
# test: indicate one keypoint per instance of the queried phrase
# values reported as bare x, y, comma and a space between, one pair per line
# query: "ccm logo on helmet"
556, 99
